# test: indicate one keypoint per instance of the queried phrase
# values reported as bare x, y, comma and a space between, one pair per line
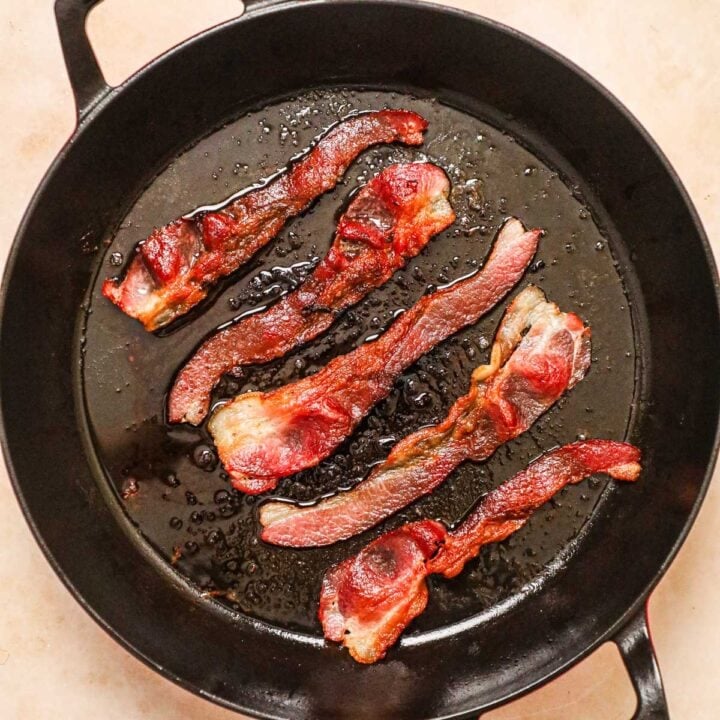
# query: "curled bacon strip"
174, 267
506, 397
390, 220
366, 601
262, 437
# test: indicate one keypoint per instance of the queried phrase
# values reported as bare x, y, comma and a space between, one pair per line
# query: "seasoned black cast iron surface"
168, 477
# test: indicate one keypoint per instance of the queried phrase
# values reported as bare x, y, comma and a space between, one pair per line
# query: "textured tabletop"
659, 57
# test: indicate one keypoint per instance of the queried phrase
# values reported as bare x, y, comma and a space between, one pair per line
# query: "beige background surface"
660, 57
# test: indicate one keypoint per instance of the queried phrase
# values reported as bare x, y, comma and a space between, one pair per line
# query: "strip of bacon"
506, 397
390, 220
263, 437
366, 601
174, 267
508, 507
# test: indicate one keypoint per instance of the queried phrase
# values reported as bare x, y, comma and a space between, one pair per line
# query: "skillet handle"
86, 78
638, 654
251, 4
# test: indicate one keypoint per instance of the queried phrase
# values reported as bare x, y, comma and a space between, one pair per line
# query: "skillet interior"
497, 75
178, 495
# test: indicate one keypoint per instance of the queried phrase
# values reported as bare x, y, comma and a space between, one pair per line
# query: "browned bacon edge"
174, 267
391, 219
367, 601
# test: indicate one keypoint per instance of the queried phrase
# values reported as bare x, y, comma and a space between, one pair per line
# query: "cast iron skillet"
126, 135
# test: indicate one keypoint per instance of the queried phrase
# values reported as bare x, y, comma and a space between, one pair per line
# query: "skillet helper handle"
638, 654
86, 78
252, 4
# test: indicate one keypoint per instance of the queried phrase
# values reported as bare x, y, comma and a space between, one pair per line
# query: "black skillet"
594, 179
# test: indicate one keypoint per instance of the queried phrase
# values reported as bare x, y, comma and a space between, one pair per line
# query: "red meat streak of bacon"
526, 376
366, 601
174, 267
263, 437
390, 220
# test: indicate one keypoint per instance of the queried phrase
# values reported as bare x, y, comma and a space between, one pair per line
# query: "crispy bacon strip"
262, 437
390, 220
366, 601
508, 507
506, 397
174, 267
